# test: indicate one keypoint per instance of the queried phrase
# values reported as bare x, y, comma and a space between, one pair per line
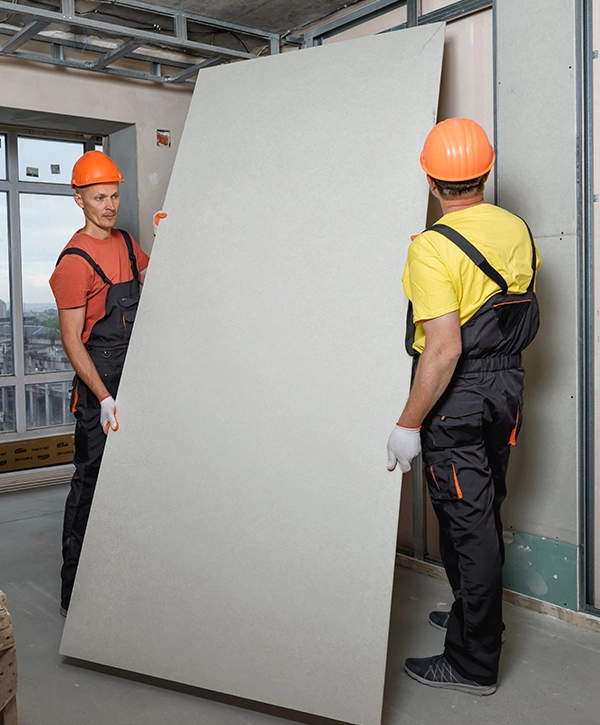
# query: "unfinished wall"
534, 56
147, 106
536, 175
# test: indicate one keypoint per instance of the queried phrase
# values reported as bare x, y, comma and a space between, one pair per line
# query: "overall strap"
132, 259
533, 259
472, 252
80, 253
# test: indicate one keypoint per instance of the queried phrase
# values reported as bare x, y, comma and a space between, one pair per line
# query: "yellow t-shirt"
440, 278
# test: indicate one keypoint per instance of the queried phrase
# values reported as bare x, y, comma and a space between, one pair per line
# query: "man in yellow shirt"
470, 280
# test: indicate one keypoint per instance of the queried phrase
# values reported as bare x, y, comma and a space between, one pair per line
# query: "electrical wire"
221, 32
9, 15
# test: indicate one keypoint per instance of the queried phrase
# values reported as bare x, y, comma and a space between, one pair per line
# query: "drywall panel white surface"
536, 113
243, 534
542, 480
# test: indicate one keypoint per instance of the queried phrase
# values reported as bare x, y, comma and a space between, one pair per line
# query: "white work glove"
108, 414
156, 219
403, 445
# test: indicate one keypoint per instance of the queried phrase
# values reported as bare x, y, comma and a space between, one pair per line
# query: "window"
2, 156
37, 218
47, 224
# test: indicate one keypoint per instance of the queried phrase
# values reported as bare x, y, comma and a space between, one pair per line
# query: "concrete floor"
549, 670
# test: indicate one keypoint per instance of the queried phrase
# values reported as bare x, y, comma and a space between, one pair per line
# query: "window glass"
7, 409
47, 224
48, 404
2, 156
6, 340
47, 161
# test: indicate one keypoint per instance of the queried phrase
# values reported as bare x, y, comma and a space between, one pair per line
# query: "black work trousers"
90, 440
466, 445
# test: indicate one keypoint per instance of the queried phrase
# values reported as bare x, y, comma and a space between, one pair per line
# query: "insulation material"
243, 534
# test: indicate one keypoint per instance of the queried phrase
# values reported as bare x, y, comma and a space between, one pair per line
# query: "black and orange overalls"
107, 347
466, 441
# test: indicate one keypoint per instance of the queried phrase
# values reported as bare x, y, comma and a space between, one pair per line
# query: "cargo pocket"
512, 441
128, 307
511, 314
442, 478
109, 365
458, 424
74, 394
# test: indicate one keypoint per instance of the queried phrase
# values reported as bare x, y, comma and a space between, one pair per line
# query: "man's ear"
78, 199
432, 185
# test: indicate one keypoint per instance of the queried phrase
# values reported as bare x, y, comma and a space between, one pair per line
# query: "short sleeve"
71, 282
141, 257
428, 283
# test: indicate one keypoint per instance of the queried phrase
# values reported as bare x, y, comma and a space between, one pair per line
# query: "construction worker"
470, 281
96, 284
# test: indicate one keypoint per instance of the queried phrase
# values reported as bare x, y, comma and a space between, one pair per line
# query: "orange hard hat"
94, 167
457, 150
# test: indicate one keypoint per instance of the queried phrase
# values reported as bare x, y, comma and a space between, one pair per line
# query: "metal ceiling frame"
131, 43
173, 49
358, 16
459, 9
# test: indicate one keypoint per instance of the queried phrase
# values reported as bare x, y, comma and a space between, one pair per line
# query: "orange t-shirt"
75, 283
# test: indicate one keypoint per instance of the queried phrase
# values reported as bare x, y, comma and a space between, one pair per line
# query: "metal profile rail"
450, 12
455, 10
142, 46
336, 25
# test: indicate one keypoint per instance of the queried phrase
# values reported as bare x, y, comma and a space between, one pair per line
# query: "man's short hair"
454, 189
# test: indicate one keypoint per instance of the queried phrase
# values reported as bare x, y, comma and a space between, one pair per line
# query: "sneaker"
63, 611
437, 672
440, 620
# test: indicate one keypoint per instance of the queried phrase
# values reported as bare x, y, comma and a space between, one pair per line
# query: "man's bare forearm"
84, 367
431, 379
71, 328
435, 369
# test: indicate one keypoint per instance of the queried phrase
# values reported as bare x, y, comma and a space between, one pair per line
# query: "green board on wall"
542, 568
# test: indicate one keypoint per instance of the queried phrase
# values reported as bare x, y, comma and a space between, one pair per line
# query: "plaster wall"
145, 106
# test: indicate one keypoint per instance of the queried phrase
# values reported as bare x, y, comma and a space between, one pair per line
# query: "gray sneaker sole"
459, 686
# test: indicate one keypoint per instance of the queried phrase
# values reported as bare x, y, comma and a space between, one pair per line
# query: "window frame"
14, 188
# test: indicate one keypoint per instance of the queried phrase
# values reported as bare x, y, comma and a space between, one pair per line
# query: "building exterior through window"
37, 218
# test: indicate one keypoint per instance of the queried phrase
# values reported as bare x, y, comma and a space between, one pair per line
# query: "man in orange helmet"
470, 281
96, 284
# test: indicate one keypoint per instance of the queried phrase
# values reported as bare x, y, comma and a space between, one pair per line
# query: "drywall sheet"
243, 533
